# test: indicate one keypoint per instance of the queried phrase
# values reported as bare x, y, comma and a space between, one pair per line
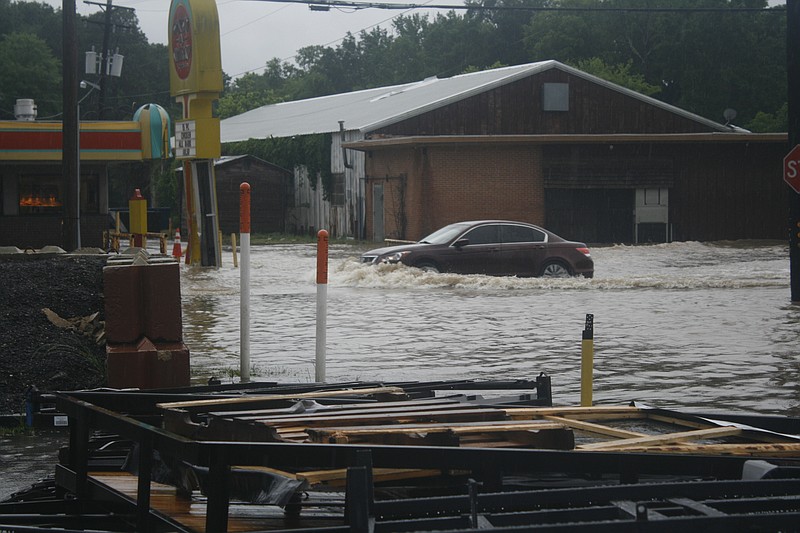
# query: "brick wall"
444, 184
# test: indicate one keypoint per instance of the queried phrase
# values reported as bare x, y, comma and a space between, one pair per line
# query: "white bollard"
244, 281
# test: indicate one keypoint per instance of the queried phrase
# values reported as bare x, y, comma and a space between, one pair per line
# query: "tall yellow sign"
195, 75
195, 80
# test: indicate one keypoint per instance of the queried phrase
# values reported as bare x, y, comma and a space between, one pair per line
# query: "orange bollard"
177, 252
322, 305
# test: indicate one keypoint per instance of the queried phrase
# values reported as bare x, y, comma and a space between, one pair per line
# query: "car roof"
495, 221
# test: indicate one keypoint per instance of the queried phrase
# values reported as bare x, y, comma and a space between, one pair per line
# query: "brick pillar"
144, 327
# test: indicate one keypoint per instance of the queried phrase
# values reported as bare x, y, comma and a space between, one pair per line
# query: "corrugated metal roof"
372, 109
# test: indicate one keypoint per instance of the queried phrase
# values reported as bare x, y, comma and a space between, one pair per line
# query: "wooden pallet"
455, 422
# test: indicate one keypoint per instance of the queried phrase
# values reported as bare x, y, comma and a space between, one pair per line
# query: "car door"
522, 250
479, 255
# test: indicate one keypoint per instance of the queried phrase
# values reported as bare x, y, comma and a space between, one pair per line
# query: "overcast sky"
254, 31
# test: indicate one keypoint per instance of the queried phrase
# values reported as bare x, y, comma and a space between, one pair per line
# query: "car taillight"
584, 251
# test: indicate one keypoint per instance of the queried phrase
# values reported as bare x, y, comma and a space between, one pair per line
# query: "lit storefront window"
44, 195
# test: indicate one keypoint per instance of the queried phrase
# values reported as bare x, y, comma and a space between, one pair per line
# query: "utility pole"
793, 78
105, 52
69, 126
104, 66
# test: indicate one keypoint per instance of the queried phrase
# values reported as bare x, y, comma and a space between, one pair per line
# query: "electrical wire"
649, 9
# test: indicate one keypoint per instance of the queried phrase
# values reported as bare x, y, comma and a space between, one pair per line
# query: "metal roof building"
541, 142
372, 109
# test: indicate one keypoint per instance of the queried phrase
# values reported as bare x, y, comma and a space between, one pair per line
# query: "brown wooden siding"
716, 191
591, 215
729, 192
606, 166
516, 108
270, 191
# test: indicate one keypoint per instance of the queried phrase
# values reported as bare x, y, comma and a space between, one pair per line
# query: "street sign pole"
793, 78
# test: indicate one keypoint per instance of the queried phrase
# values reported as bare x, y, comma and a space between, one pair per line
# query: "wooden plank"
165, 500
697, 424
763, 436
254, 398
466, 414
577, 413
595, 428
755, 449
331, 410
338, 476
268, 470
473, 427
619, 445
426, 433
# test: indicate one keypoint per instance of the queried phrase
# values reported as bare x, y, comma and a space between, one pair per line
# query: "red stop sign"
791, 168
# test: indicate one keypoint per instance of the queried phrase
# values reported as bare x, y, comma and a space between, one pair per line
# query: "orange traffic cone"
176, 247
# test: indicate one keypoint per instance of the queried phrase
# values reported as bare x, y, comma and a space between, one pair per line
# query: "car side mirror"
461, 242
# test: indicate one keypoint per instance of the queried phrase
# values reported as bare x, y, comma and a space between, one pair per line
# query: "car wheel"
428, 267
555, 270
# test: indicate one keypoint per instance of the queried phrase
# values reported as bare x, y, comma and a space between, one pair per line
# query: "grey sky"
253, 32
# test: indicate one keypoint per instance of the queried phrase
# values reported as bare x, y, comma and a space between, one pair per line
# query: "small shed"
272, 194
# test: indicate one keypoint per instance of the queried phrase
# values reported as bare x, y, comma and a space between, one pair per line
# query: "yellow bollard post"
233, 247
137, 207
587, 362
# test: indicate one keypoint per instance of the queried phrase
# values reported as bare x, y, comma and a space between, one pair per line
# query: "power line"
377, 24
323, 5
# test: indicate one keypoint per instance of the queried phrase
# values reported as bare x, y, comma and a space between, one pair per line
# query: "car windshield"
445, 235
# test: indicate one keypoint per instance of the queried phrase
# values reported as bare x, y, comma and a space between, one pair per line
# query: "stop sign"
791, 168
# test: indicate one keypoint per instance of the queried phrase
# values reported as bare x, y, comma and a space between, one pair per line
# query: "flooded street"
26, 459
681, 325
677, 325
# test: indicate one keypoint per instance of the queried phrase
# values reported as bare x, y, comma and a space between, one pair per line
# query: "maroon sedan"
492, 247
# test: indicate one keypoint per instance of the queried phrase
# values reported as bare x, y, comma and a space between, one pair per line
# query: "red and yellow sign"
194, 50
195, 80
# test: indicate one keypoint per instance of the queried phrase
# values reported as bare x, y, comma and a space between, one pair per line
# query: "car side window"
484, 235
522, 234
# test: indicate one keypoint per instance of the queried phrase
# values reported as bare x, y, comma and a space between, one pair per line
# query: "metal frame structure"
497, 489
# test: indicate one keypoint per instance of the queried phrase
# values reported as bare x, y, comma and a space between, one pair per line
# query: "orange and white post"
322, 303
244, 281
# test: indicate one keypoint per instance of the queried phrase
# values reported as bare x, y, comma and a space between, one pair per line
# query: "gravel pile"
33, 350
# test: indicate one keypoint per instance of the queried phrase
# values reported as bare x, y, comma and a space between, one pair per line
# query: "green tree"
771, 122
506, 42
18, 51
704, 62
619, 74
246, 92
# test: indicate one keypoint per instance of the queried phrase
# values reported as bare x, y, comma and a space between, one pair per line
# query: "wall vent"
555, 97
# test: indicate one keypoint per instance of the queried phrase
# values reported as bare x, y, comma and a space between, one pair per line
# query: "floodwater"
690, 325
681, 325
26, 459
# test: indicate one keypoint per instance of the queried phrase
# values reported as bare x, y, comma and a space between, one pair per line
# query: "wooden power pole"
69, 127
793, 78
